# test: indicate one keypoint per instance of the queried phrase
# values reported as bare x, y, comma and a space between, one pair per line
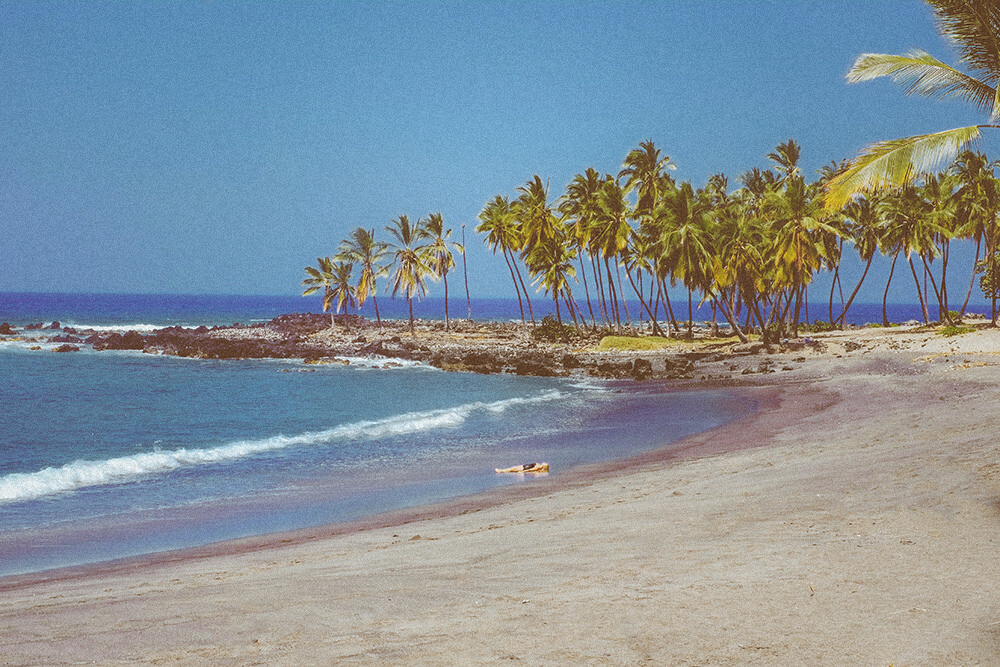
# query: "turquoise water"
111, 454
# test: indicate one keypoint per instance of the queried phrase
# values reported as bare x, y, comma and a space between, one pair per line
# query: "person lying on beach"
526, 467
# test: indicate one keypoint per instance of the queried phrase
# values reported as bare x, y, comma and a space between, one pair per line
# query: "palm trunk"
409, 299
732, 320
916, 281
842, 318
618, 270
447, 321
377, 318
527, 298
945, 252
670, 308
465, 269
885, 296
517, 291
972, 281
586, 290
943, 315
611, 289
599, 286
690, 316
652, 318
555, 297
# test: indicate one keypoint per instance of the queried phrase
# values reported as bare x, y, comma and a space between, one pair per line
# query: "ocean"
108, 454
111, 454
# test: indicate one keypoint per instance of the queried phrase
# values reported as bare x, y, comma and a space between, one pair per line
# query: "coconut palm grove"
748, 247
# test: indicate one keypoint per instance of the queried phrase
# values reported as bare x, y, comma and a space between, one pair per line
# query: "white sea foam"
141, 327
79, 474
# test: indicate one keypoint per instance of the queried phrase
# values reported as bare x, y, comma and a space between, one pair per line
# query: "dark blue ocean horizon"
148, 311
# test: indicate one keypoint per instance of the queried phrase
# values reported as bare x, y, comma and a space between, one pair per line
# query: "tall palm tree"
799, 247
496, 220
362, 249
611, 234
552, 264
786, 160
438, 252
644, 169
908, 231
410, 275
864, 229
686, 244
973, 27
335, 281
579, 208
978, 205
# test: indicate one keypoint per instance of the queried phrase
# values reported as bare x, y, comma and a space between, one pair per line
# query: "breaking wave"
18, 487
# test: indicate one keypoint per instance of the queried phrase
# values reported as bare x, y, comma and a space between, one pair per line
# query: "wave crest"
16, 487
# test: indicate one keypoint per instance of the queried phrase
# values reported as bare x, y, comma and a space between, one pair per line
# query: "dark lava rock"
570, 361
851, 346
66, 339
67, 348
678, 368
132, 340
34, 326
642, 369
54, 325
6, 330
70, 330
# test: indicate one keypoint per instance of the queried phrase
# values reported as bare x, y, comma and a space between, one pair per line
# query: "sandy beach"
854, 520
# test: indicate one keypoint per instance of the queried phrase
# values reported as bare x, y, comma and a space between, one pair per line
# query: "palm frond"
920, 73
973, 26
892, 163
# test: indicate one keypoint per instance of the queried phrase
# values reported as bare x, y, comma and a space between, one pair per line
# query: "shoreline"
857, 523
711, 442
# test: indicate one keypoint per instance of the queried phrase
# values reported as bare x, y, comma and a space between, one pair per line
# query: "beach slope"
861, 526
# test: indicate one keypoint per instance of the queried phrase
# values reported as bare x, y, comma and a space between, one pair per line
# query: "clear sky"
220, 147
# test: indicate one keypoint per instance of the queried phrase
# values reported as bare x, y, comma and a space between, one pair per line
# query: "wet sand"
855, 520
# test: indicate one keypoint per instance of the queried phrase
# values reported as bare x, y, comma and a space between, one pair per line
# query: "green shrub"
956, 330
550, 330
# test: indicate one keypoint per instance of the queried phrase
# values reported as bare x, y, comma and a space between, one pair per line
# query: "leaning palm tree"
335, 281
438, 254
362, 249
410, 275
973, 26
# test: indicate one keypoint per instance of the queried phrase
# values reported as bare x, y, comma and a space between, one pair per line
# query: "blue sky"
220, 147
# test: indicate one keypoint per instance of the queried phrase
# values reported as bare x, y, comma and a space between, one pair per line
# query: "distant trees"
749, 253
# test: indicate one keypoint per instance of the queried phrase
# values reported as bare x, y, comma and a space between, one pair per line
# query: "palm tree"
362, 249
579, 207
685, 247
611, 234
335, 281
978, 205
799, 247
552, 263
786, 160
864, 229
908, 231
438, 253
411, 269
972, 27
643, 169
497, 221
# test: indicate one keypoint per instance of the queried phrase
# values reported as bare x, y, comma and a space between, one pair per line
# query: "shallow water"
110, 454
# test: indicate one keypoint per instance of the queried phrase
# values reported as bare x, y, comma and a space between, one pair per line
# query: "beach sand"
855, 520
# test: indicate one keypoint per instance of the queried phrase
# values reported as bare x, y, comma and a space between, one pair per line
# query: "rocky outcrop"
132, 340
67, 348
6, 330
